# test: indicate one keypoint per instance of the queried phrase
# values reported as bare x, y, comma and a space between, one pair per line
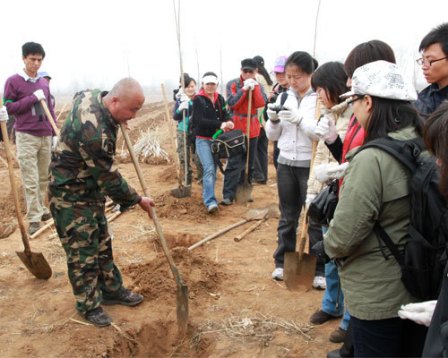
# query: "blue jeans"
236, 169
291, 186
204, 153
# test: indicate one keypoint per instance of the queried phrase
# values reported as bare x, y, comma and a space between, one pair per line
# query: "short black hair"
32, 48
332, 78
367, 52
303, 60
438, 34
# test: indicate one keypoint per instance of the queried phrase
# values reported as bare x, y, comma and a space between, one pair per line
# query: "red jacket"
237, 99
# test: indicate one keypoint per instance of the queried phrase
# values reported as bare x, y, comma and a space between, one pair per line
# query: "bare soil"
236, 309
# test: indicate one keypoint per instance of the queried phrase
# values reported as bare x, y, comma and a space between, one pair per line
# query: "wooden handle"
216, 234
49, 116
249, 230
249, 119
153, 213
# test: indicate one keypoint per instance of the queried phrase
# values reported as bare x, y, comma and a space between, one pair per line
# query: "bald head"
125, 99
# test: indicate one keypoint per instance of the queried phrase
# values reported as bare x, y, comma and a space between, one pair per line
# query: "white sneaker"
277, 274
319, 283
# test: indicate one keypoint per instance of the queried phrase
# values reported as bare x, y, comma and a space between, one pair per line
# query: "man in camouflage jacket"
82, 173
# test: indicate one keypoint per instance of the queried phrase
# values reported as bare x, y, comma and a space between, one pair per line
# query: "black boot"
98, 317
122, 296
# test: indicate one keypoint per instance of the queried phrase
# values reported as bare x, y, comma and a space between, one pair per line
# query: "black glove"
319, 251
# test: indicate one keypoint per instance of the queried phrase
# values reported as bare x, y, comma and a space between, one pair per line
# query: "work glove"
179, 93
3, 114
272, 112
54, 143
40, 95
326, 129
420, 313
308, 200
250, 83
325, 172
183, 106
184, 98
290, 115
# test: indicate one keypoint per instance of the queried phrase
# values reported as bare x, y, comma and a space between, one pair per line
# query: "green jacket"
82, 166
375, 189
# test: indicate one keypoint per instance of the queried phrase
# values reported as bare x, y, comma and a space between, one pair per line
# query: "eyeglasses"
424, 61
353, 99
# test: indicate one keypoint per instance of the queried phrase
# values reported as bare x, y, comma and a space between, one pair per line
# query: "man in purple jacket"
22, 95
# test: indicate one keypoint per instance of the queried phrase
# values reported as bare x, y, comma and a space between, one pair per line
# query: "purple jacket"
23, 105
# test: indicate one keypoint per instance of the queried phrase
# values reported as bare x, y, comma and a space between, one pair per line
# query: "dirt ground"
236, 309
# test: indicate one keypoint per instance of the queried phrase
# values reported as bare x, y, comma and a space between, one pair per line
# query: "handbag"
228, 144
322, 208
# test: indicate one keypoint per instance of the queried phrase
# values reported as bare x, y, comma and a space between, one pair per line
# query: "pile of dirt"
189, 208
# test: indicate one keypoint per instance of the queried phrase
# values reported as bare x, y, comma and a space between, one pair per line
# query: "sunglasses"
248, 71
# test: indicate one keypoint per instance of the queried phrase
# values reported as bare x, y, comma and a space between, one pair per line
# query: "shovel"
34, 261
181, 191
49, 116
244, 191
182, 288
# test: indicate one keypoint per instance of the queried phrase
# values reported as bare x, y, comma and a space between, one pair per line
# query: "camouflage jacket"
82, 166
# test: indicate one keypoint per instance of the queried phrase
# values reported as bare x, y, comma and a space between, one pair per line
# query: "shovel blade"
36, 264
182, 307
243, 193
299, 271
181, 192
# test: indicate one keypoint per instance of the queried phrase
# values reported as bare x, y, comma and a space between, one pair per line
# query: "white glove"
326, 130
54, 143
290, 115
179, 93
309, 199
250, 83
184, 98
420, 313
183, 106
272, 113
325, 172
39, 94
3, 114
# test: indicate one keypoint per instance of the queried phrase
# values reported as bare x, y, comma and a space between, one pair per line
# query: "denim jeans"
204, 152
291, 186
236, 169
393, 337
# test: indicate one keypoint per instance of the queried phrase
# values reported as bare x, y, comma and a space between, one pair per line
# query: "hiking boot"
320, 317
277, 274
123, 296
227, 201
98, 317
33, 228
338, 335
212, 209
319, 283
46, 217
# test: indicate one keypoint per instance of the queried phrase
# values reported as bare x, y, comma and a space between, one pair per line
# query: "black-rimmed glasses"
421, 61
354, 99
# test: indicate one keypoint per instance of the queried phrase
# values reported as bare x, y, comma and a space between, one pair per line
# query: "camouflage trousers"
85, 238
190, 154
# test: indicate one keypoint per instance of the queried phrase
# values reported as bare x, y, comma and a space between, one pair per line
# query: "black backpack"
424, 256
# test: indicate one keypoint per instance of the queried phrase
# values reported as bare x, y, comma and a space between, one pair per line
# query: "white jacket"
295, 140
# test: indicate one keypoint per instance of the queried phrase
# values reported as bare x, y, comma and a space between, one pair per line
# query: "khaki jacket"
375, 189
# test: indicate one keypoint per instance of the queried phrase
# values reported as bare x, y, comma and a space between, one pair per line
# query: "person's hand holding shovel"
146, 203
3, 114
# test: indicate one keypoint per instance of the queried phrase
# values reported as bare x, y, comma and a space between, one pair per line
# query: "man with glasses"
238, 101
434, 63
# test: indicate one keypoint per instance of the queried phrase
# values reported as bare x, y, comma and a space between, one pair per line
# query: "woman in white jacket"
292, 123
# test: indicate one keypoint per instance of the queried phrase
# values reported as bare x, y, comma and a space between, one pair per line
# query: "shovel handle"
249, 119
49, 116
251, 228
152, 213
216, 234
25, 240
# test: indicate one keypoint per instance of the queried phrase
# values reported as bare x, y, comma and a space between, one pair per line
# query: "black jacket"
208, 117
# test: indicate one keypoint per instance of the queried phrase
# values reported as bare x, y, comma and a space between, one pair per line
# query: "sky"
93, 44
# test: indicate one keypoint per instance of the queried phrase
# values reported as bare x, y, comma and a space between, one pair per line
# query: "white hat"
381, 79
210, 79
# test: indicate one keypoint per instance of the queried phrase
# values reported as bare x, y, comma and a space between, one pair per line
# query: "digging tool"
299, 267
181, 191
182, 288
185, 190
49, 116
251, 215
272, 211
244, 191
34, 261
